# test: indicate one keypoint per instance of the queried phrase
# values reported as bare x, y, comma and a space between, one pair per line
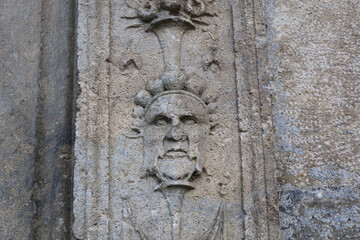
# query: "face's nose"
176, 133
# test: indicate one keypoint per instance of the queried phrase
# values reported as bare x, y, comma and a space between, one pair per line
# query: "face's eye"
188, 120
161, 121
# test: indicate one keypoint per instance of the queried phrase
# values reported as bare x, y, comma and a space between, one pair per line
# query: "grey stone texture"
316, 92
282, 156
320, 213
314, 65
19, 71
36, 73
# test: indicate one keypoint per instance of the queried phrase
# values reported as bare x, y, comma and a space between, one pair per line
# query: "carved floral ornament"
150, 10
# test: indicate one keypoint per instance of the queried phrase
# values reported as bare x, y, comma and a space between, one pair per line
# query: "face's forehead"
176, 105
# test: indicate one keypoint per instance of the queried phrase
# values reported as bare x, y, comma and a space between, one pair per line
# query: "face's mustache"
175, 147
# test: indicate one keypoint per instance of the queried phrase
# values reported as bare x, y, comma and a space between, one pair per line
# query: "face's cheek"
197, 137
154, 136
197, 132
153, 147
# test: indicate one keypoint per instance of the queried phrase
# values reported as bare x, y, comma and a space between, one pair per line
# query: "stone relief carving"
174, 125
174, 116
169, 20
153, 9
194, 161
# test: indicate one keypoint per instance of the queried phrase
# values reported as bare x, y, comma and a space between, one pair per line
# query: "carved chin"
174, 171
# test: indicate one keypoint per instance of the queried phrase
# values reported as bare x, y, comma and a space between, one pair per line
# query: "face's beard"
173, 163
175, 168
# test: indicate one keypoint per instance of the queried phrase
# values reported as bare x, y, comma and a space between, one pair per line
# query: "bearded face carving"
176, 124
172, 114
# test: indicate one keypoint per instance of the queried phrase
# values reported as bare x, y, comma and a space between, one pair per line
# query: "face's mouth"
171, 183
176, 153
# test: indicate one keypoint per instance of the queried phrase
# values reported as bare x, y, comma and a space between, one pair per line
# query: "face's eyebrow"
153, 117
189, 115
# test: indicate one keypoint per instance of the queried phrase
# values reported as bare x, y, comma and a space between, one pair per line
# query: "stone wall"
36, 71
290, 71
314, 62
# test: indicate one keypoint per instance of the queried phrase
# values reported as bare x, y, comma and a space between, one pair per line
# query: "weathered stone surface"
53, 163
252, 65
255, 119
36, 72
314, 63
320, 213
19, 71
316, 69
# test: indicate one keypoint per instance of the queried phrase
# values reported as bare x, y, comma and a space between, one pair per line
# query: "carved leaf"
216, 231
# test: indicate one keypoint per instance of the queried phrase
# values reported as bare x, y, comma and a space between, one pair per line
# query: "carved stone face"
176, 126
